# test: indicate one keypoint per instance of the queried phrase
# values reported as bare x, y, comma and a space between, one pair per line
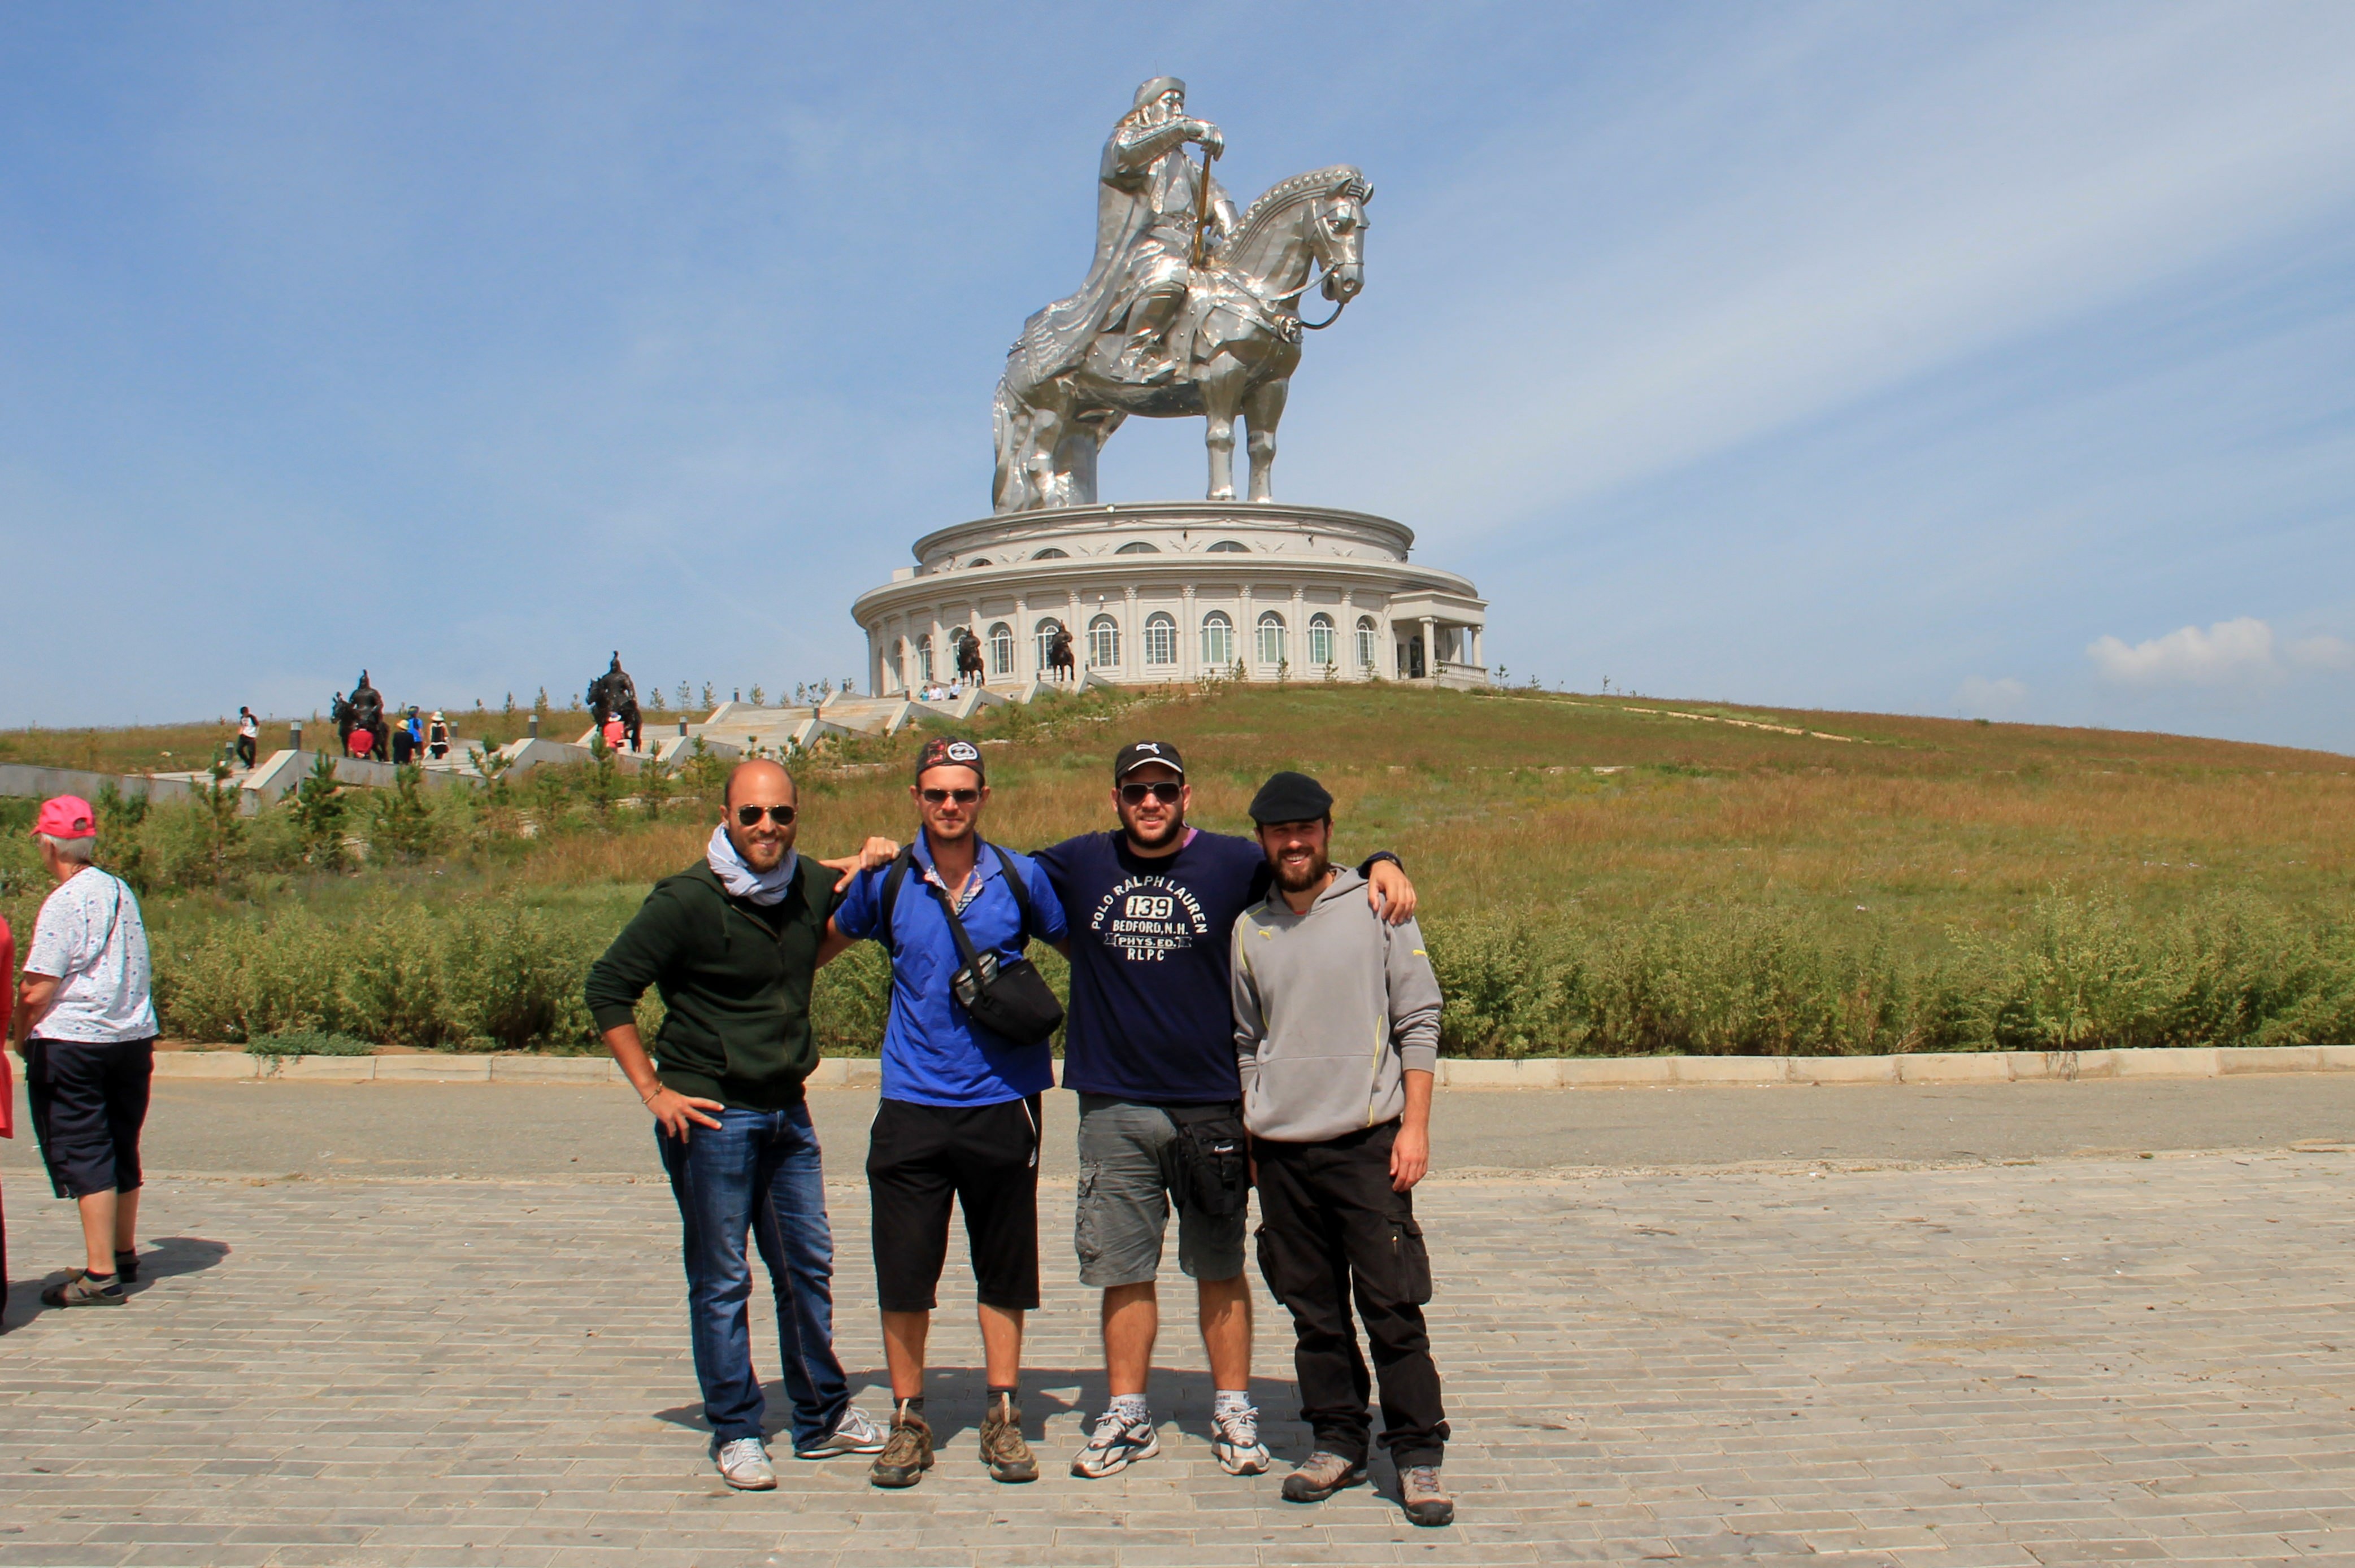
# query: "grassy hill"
1599, 874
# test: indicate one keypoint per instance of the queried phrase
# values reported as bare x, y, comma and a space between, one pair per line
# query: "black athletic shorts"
985, 1158
89, 1102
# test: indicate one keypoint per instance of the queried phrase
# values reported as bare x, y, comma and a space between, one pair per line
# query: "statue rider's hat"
1155, 87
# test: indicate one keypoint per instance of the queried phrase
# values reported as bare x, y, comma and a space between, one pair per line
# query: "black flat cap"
1291, 797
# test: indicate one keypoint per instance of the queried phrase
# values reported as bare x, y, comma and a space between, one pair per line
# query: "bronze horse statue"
1059, 652
968, 658
364, 709
614, 694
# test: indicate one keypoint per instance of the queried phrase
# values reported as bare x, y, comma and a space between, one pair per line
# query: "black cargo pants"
1331, 1230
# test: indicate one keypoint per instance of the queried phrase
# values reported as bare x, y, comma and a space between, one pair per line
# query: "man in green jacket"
732, 944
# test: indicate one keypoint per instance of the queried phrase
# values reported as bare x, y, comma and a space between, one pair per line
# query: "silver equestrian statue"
1190, 309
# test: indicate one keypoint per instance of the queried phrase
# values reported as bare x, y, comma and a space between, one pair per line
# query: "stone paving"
2072, 1362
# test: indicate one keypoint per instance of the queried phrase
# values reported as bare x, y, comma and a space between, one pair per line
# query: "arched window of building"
924, 658
1137, 548
895, 669
949, 654
1230, 547
1103, 643
1045, 634
1271, 638
978, 561
1320, 643
1050, 554
1218, 640
1001, 650
1366, 642
1160, 639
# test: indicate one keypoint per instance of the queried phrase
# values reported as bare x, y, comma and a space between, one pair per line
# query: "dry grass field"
1610, 874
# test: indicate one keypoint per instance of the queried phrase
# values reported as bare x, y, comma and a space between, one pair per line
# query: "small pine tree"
510, 708
759, 699
709, 703
405, 826
319, 815
540, 703
224, 827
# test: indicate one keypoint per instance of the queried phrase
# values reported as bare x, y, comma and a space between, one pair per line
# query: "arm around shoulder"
1415, 1000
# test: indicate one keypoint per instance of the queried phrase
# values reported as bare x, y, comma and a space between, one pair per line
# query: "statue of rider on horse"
968, 657
1188, 308
613, 694
363, 710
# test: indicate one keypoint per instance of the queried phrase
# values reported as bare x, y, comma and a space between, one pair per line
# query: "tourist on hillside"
615, 733
959, 1121
437, 736
1150, 1049
733, 943
248, 736
361, 742
89, 1030
1339, 1137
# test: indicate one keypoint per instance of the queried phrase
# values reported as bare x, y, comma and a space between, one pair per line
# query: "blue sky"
1968, 359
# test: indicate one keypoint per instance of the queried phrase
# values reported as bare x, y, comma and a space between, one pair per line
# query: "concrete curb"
1528, 1072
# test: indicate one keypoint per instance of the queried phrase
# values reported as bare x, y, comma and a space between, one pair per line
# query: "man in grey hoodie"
1337, 1034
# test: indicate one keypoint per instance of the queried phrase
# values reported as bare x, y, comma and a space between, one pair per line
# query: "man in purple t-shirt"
1149, 1047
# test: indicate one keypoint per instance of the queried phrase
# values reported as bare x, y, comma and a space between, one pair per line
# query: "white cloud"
2229, 653
2323, 653
1983, 698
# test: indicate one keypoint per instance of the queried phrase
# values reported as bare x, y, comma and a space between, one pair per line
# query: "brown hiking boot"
1426, 1501
907, 1453
1002, 1448
1321, 1475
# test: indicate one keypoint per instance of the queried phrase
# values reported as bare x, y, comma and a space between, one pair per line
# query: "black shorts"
985, 1158
89, 1102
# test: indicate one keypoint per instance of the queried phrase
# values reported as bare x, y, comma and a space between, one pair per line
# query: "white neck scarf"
741, 880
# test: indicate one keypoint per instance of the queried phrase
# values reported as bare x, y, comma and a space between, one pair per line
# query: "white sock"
1230, 1401
1131, 1410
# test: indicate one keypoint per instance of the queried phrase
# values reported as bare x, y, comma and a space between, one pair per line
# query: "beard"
1147, 837
1312, 872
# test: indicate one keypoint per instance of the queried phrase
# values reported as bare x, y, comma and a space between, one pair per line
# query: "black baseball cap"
1291, 797
1137, 753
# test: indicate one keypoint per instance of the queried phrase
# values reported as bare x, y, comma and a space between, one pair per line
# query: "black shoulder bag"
1011, 999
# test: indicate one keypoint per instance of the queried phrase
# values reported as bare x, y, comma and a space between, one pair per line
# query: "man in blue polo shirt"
1150, 1049
959, 1118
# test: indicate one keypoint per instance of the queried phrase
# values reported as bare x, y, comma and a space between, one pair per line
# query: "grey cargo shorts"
1128, 1178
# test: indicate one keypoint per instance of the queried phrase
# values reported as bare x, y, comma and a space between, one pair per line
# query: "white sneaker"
855, 1432
1115, 1446
744, 1464
1235, 1445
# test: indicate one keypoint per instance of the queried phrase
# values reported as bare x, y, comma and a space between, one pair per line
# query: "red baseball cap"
67, 817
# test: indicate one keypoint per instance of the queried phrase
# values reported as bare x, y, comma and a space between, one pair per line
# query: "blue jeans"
759, 1172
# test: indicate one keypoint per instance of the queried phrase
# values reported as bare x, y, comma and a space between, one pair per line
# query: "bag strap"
957, 928
1014, 884
891, 880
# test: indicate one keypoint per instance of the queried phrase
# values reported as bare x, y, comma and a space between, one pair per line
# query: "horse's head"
1336, 233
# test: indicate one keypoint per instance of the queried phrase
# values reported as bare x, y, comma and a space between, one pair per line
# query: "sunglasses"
749, 816
942, 796
1137, 794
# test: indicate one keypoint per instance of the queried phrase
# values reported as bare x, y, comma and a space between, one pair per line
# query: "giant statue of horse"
968, 658
614, 694
1236, 342
1059, 653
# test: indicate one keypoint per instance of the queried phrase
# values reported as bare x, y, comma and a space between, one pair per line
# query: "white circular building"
1175, 590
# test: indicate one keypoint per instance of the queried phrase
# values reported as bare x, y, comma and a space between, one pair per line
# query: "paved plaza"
2067, 1359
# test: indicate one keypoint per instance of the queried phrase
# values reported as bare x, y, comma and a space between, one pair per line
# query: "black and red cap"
943, 752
